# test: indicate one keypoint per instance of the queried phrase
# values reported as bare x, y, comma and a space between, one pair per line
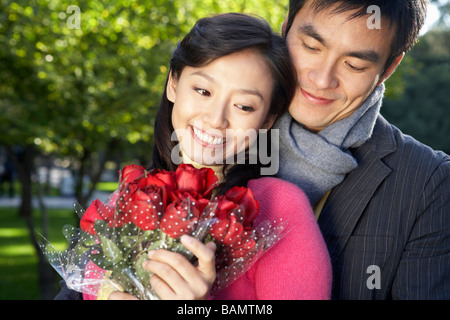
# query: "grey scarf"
318, 162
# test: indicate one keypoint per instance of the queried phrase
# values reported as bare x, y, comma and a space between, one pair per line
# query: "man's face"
339, 61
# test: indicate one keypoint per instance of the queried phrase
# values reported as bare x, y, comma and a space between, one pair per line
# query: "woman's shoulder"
281, 198
306, 269
276, 187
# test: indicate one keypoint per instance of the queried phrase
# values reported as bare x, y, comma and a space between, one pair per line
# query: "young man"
382, 198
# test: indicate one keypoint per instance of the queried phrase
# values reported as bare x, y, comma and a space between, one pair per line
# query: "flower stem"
145, 293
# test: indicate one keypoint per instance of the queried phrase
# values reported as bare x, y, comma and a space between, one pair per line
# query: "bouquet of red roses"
152, 210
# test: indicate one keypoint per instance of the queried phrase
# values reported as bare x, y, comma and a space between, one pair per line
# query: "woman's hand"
174, 277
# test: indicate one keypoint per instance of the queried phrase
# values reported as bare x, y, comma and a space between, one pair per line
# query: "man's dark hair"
405, 18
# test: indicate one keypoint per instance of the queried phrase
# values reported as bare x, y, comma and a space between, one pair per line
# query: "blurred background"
80, 82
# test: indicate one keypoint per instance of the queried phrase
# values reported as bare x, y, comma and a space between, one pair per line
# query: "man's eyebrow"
368, 55
309, 30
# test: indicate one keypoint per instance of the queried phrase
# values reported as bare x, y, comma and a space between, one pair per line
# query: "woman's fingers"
173, 273
174, 276
117, 295
205, 255
163, 290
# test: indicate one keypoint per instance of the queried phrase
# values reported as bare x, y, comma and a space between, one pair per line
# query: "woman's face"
219, 108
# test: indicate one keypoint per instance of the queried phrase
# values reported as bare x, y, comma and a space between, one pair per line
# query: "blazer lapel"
348, 200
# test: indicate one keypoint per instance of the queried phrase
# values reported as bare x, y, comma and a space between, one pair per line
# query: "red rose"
229, 228
246, 245
191, 179
153, 182
107, 212
232, 228
146, 209
130, 173
166, 177
182, 214
244, 197
236, 240
90, 216
142, 203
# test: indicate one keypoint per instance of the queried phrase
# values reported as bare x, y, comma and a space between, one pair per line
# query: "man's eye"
203, 92
309, 48
352, 67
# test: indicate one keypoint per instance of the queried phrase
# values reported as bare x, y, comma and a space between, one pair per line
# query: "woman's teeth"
206, 137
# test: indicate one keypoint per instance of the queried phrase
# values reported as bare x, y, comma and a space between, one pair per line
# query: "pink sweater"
298, 267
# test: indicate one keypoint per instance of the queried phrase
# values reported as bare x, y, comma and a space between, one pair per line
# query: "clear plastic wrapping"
151, 210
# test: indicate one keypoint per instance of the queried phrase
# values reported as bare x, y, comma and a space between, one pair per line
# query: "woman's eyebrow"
204, 75
254, 92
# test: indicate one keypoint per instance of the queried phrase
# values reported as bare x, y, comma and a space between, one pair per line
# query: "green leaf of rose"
101, 227
142, 274
111, 251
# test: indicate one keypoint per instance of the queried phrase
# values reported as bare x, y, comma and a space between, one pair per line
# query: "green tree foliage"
80, 90
83, 79
421, 106
68, 89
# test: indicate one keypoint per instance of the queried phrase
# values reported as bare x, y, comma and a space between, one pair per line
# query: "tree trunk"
47, 275
83, 197
24, 163
79, 179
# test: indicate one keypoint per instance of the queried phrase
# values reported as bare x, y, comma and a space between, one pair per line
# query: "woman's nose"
215, 115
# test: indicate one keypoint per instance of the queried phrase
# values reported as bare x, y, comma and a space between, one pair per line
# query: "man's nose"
324, 76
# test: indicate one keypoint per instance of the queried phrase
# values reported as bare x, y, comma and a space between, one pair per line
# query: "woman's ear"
171, 87
284, 26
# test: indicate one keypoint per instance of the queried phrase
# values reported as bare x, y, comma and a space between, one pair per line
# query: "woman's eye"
244, 108
203, 92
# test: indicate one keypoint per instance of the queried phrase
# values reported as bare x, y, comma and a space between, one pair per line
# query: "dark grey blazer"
387, 225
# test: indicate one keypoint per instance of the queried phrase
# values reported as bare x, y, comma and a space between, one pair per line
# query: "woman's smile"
206, 139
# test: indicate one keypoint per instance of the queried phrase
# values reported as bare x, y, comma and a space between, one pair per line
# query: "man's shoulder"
403, 146
406, 163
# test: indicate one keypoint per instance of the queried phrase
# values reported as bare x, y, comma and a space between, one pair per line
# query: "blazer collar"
348, 200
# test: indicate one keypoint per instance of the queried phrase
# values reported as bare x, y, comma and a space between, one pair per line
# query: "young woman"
230, 77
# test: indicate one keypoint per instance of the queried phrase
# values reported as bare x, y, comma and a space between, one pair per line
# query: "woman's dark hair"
210, 39
405, 18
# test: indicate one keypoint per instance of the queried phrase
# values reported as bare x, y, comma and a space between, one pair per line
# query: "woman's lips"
207, 140
314, 99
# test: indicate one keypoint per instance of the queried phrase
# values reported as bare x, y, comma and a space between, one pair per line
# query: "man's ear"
171, 88
390, 70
